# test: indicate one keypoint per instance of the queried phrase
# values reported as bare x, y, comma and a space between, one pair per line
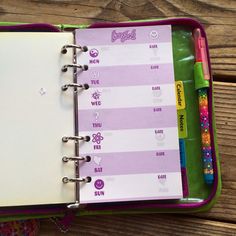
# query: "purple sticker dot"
99, 184
93, 52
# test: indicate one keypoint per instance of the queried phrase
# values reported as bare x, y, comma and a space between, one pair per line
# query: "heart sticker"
97, 160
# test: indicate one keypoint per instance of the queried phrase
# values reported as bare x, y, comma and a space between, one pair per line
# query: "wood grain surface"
225, 112
219, 20
150, 225
218, 17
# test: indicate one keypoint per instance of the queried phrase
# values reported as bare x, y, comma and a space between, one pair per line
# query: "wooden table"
219, 19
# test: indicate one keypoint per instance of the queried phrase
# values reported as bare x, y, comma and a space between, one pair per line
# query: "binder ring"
66, 180
65, 139
82, 86
81, 48
85, 158
78, 66
73, 205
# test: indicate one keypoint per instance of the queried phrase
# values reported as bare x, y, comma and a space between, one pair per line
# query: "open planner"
88, 117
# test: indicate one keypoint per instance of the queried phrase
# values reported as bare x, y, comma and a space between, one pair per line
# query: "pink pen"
201, 53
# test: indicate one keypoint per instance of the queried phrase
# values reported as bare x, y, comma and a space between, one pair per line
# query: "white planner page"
34, 116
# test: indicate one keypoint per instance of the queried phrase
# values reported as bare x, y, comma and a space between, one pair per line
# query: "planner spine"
77, 180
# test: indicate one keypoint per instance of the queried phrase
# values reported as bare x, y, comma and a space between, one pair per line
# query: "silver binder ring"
66, 180
73, 205
85, 158
65, 139
74, 46
78, 66
82, 86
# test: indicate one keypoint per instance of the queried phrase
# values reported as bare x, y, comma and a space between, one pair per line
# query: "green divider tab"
182, 123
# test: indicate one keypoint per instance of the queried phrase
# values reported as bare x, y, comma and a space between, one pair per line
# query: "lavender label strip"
128, 97
124, 35
145, 162
128, 75
135, 118
131, 140
118, 188
120, 55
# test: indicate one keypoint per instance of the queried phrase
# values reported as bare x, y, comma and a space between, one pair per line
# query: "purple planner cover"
129, 111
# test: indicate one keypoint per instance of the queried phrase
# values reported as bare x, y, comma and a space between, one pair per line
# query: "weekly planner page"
129, 111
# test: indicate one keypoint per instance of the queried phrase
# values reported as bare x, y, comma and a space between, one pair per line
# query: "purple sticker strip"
124, 35
126, 118
128, 75
131, 163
